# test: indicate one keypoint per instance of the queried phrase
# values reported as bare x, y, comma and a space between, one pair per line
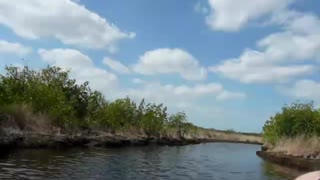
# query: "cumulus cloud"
64, 20
65, 58
230, 15
280, 55
303, 89
13, 48
81, 66
116, 66
299, 41
170, 61
179, 95
252, 67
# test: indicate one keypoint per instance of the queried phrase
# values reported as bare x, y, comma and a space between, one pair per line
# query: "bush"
69, 105
294, 120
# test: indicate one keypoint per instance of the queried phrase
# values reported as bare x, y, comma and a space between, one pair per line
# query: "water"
214, 161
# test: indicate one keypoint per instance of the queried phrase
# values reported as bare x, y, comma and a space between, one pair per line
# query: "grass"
298, 146
229, 136
237, 136
231, 131
21, 117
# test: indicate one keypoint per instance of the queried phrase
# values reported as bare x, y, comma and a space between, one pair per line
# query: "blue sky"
227, 64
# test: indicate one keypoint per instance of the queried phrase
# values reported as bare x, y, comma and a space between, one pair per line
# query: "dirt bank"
300, 163
18, 139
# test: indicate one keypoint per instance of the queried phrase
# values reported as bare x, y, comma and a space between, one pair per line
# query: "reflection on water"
271, 169
203, 161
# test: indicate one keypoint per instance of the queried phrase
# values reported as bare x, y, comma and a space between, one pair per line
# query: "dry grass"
298, 146
21, 117
238, 137
228, 136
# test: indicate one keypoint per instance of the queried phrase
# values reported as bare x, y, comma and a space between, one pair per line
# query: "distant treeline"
71, 106
236, 132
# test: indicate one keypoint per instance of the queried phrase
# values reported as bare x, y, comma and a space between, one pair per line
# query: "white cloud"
115, 65
227, 95
201, 8
280, 55
66, 58
64, 20
179, 95
76, 1
304, 89
252, 67
197, 90
299, 41
138, 81
297, 22
290, 46
81, 66
13, 48
231, 15
170, 61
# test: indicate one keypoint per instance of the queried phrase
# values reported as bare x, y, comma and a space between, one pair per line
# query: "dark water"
214, 161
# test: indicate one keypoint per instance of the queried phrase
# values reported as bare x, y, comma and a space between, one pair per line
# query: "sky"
227, 64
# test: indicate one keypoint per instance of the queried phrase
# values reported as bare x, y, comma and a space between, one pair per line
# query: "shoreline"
299, 163
42, 140
53, 111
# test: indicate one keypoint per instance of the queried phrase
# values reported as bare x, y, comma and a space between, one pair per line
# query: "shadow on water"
5, 152
272, 170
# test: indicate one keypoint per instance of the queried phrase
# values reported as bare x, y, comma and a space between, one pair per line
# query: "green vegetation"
52, 96
295, 120
48, 101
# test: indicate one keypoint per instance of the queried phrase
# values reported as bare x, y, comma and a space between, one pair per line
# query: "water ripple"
203, 161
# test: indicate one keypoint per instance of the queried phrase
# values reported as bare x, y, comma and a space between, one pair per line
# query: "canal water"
212, 161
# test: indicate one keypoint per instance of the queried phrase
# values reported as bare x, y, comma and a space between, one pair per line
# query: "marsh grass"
21, 117
298, 146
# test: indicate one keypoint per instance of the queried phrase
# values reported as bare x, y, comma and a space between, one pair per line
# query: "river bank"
298, 152
19, 139
296, 162
46, 108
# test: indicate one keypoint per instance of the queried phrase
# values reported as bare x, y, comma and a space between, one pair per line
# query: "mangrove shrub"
294, 120
70, 105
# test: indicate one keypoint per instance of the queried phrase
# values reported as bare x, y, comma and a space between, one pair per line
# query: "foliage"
230, 131
71, 105
294, 120
49, 90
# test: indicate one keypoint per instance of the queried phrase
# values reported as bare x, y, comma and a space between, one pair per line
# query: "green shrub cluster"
294, 120
72, 106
